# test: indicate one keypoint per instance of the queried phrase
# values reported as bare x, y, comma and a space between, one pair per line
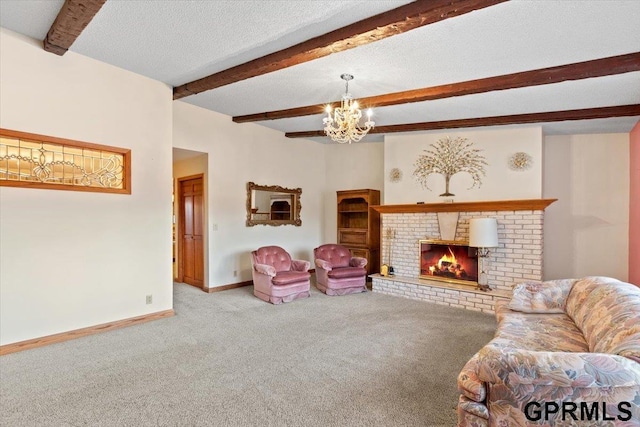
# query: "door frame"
180, 228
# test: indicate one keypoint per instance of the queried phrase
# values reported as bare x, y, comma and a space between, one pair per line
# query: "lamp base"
483, 279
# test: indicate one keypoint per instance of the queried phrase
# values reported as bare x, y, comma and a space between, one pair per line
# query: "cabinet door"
352, 237
362, 253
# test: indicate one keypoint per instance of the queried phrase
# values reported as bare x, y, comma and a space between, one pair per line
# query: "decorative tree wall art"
448, 157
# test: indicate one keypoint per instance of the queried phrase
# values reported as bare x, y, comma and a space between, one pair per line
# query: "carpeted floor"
229, 359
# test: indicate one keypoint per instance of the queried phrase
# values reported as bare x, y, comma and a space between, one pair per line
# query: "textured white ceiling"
176, 41
179, 41
32, 18
573, 127
607, 91
484, 43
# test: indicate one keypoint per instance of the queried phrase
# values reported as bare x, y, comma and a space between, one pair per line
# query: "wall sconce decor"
448, 157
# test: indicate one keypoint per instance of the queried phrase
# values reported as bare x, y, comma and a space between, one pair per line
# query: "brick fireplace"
518, 257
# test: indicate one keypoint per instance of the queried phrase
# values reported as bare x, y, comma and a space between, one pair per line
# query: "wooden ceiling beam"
581, 70
378, 27
517, 119
73, 18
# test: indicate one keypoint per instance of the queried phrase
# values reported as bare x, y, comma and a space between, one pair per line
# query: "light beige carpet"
229, 359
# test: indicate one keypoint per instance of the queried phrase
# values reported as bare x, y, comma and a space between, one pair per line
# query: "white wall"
75, 259
500, 182
189, 167
239, 153
634, 205
349, 167
587, 230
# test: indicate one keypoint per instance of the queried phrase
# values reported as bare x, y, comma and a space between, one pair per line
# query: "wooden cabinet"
359, 226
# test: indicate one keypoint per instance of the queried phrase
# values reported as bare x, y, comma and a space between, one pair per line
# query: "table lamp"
483, 234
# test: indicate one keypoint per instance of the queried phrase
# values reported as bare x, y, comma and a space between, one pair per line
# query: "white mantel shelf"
482, 206
444, 285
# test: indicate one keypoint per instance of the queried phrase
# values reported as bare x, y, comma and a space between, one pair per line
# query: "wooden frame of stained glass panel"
30, 160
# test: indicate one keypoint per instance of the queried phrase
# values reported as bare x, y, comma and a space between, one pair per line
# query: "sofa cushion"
288, 277
607, 312
537, 332
345, 272
545, 297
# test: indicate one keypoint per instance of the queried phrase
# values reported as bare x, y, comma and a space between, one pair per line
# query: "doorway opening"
190, 213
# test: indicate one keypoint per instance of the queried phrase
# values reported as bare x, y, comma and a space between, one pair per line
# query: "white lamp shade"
483, 233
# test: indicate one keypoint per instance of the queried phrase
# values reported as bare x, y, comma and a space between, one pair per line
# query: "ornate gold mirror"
273, 205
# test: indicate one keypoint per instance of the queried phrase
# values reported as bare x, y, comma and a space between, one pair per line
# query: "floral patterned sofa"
566, 353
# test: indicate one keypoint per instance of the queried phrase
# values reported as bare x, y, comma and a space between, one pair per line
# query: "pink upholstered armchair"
337, 272
277, 278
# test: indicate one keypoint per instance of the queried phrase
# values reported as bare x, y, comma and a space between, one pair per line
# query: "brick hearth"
439, 292
517, 259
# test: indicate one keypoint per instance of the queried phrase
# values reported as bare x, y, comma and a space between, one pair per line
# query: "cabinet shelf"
358, 226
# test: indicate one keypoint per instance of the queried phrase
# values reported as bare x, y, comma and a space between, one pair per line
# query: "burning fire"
446, 260
448, 266
442, 261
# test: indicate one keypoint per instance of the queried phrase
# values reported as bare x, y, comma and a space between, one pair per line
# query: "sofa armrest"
300, 265
476, 409
468, 382
358, 262
325, 265
265, 269
527, 371
513, 378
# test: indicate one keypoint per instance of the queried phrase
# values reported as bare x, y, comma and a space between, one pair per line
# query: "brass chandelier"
344, 126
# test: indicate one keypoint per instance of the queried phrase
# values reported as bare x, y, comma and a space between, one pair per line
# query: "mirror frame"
275, 188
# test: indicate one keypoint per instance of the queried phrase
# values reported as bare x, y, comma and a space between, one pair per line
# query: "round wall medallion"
395, 175
520, 161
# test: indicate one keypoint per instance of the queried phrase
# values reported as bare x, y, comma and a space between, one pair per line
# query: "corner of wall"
634, 205
349, 167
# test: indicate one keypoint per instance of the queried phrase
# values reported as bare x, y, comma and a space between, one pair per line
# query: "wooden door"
191, 255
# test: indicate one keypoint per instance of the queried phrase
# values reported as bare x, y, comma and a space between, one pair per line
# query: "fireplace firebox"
449, 261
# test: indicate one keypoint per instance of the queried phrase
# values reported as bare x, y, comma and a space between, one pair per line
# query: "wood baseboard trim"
77, 333
229, 286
